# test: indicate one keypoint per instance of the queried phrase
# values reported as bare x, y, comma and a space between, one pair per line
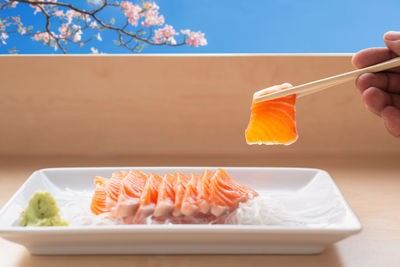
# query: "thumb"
392, 41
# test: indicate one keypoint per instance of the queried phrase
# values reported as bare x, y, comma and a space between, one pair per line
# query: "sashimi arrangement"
133, 197
273, 121
211, 197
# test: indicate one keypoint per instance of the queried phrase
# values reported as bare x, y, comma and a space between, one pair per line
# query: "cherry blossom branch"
71, 29
49, 31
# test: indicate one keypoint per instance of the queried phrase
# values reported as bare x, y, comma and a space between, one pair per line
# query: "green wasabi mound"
42, 210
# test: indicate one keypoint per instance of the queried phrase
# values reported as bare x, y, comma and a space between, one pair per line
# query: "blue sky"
252, 26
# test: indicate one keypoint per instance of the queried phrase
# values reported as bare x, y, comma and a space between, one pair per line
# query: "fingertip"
392, 41
391, 118
391, 36
271, 89
376, 100
365, 81
357, 58
370, 56
286, 85
353, 60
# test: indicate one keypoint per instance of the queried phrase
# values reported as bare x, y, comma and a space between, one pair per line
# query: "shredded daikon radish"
75, 208
262, 210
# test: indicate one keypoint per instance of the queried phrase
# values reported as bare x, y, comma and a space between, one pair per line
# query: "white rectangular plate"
309, 197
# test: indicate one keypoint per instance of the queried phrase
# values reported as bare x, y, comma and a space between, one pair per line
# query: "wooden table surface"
370, 185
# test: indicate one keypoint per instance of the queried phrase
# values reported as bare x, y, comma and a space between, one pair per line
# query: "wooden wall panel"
174, 105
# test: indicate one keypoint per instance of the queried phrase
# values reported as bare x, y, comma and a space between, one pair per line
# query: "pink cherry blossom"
43, 37
64, 30
59, 13
195, 39
152, 18
131, 11
150, 5
93, 25
70, 14
165, 34
86, 18
78, 33
158, 37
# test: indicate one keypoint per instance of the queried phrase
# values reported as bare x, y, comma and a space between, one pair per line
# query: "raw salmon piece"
113, 185
204, 191
119, 174
131, 189
148, 199
190, 200
132, 185
273, 121
150, 190
225, 193
166, 196
101, 181
180, 188
245, 190
99, 201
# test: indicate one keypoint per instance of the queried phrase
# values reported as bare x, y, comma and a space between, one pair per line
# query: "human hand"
381, 91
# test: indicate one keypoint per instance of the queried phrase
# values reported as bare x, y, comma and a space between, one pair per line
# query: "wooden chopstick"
315, 86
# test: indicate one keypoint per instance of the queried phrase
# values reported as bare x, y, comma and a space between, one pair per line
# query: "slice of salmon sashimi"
180, 188
150, 190
226, 194
133, 196
204, 191
273, 121
148, 199
190, 205
99, 201
132, 186
113, 186
166, 196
